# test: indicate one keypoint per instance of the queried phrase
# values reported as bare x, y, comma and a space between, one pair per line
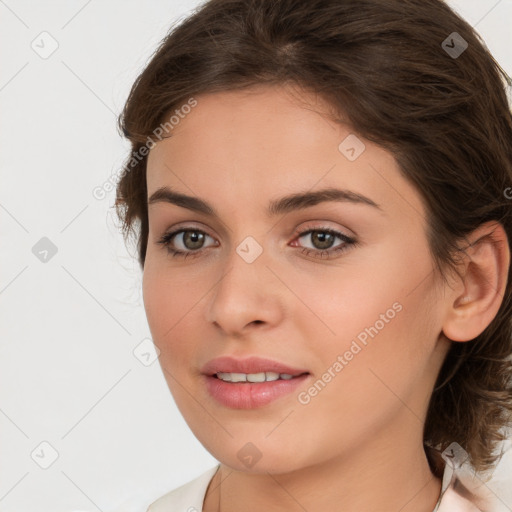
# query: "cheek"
169, 304
376, 315
157, 302
360, 300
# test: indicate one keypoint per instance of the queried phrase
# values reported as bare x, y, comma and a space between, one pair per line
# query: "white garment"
187, 498
486, 495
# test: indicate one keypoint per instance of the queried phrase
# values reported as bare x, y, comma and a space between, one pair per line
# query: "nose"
247, 295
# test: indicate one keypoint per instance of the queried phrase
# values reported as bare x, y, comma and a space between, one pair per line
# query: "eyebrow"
286, 204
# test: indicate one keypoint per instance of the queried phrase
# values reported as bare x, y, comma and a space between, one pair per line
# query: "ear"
476, 297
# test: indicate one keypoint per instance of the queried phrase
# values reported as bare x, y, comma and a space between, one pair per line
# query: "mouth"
250, 383
255, 377
252, 366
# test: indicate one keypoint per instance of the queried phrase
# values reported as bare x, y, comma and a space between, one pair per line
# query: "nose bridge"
244, 272
245, 293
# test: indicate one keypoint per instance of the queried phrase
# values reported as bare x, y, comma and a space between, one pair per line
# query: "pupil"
195, 238
325, 239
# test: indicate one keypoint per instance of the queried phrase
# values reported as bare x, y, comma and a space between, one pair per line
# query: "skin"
357, 445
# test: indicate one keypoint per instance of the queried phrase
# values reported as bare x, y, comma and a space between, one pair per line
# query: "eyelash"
348, 242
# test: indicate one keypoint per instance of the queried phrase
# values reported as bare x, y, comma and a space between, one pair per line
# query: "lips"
248, 394
253, 364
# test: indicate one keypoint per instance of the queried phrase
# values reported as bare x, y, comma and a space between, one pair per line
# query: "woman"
318, 191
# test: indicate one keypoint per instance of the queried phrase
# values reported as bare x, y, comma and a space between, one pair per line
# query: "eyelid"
313, 225
321, 225
184, 226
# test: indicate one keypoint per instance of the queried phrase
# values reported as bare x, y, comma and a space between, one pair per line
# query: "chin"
263, 466
258, 456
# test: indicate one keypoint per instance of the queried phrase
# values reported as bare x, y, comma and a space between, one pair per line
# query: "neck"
377, 476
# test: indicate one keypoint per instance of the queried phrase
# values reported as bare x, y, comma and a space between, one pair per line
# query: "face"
336, 290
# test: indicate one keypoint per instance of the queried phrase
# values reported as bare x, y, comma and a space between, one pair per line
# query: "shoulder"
452, 501
189, 497
467, 490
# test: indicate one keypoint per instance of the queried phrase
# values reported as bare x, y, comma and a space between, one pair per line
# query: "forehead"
263, 141
235, 123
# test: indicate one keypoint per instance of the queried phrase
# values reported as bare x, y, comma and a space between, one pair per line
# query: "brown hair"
388, 69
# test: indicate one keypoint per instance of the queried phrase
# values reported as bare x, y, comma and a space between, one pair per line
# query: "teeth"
257, 377
253, 377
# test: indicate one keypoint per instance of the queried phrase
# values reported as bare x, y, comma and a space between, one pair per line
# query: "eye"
189, 242
185, 243
322, 240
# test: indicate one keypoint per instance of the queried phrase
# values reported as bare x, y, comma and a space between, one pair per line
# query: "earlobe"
476, 299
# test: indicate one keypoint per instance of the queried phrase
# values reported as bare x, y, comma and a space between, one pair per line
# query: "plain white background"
73, 374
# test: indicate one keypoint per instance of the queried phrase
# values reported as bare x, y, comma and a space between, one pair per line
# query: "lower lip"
250, 395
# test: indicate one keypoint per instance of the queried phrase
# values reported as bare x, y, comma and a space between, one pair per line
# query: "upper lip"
252, 364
